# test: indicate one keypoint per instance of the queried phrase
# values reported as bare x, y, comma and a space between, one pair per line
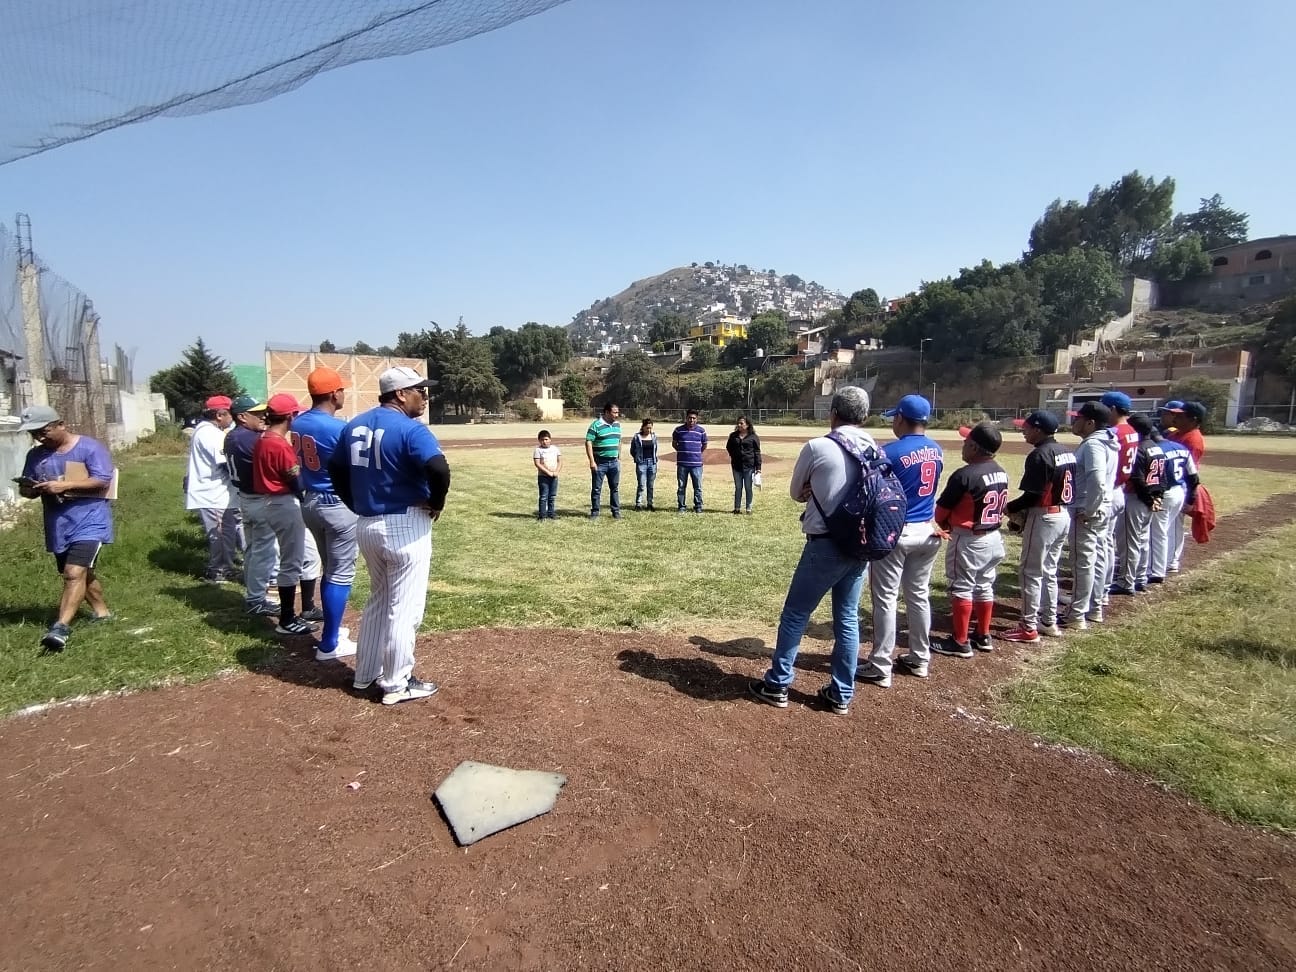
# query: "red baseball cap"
283, 404
218, 401
324, 381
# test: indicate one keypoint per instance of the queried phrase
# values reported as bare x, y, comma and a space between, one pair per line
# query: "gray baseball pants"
1043, 538
1088, 562
971, 563
1161, 540
1135, 554
333, 528
1115, 539
907, 568
284, 516
262, 547
223, 528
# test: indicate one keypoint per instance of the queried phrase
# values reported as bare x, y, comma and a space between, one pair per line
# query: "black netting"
73, 68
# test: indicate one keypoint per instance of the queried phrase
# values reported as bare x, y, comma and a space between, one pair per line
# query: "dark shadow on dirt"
695, 677
293, 661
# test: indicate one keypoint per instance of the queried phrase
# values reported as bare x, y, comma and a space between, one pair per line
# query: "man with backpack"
828, 477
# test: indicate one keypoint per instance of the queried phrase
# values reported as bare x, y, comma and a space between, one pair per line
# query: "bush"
1212, 394
954, 417
525, 411
167, 439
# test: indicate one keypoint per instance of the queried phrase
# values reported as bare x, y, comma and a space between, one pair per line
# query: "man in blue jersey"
388, 468
690, 441
918, 463
1166, 535
262, 550
316, 434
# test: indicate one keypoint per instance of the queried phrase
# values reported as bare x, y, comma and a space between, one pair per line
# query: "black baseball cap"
1140, 424
1046, 422
1196, 410
986, 435
1097, 411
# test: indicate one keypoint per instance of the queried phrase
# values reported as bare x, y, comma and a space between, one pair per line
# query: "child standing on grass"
548, 462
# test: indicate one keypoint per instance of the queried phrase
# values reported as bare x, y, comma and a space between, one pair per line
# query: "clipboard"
75, 471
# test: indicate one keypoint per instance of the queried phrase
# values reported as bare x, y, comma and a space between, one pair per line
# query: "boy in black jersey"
970, 509
1048, 487
1143, 491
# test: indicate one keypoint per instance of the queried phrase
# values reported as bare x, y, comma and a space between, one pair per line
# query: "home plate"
479, 799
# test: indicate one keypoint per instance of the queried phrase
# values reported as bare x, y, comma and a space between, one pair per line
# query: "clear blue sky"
522, 174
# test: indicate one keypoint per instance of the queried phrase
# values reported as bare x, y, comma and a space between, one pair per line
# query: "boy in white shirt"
548, 462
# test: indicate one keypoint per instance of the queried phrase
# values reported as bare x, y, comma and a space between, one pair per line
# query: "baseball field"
1122, 798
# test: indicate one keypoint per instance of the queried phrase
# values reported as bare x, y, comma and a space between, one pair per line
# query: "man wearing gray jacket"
1090, 513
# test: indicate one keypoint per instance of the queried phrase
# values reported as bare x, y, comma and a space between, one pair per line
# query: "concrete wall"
13, 450
139, 412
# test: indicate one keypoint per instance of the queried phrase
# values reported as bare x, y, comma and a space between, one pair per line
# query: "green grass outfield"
711, 574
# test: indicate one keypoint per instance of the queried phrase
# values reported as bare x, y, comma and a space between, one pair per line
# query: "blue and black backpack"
867, 523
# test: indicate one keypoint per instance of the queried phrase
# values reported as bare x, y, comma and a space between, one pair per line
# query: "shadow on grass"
695, 677
180, 552
558, 515
39, 614
1283, 656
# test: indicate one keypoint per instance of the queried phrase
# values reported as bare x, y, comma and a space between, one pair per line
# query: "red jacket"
1203, 515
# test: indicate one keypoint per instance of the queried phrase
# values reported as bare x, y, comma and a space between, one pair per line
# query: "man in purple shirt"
71, 475
690, 441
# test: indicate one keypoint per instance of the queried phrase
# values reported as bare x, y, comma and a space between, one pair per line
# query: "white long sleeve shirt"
207, 483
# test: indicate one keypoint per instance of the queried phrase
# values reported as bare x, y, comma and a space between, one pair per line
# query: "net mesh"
72, 69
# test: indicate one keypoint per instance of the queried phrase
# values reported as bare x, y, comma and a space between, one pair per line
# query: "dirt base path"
211, 826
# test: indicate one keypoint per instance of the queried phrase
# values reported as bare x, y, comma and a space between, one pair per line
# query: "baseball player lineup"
372, 487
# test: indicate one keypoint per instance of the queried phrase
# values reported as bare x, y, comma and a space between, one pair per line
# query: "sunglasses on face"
41, 433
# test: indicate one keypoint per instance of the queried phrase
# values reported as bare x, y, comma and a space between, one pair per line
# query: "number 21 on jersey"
366, 444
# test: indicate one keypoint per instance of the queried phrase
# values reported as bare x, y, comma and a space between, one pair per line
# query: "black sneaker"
1117, 591
1139, 587
829, 701
764, 692
294, 627
1156, 580
414, 689
981, 642
314, 614
948, 646
56, 637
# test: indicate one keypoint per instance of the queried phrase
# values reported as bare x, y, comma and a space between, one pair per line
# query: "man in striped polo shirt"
603, 449
690, 441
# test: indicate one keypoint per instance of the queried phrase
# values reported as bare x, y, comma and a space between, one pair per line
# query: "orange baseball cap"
324, 381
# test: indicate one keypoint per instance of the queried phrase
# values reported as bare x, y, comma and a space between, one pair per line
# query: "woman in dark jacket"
745, 460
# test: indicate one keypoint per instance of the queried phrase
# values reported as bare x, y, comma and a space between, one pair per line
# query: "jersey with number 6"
388, 453
917, 462
975, 497
1049, 473
315, 435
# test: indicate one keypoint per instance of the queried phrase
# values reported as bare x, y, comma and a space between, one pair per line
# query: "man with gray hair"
825, 472
209, 492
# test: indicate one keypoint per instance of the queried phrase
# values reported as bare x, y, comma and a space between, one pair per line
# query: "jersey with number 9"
918, 462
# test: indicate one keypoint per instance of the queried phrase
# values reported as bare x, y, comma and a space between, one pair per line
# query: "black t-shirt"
974, 497
1049, 477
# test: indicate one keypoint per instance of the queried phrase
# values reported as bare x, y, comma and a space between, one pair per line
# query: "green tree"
704, 355
1215, 223
361, 348
634, 382
699, 392
460, 364
792, 282
1079, 289
1125, 220
530, 352
785, 384
573, 391
667, 326
199, 375
1179, 259
730, 388
1279, 341
769, 330
863, 307
327, 347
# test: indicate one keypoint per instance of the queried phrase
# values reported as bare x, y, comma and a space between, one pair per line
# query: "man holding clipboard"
74, 478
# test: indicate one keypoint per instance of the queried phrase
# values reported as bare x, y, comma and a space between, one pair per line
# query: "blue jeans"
821, 569
611, 468
682, 475
647, 474
548, 486
742, 481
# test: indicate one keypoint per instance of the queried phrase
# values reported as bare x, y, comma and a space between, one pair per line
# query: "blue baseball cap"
913, 407
1174, 405
1115, 399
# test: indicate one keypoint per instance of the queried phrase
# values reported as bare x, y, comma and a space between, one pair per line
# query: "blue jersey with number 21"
917, 462
388, 451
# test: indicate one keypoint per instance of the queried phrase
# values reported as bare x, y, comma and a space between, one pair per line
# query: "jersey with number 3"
389, 453
975, 497
917, 462
1128, 441
315, 435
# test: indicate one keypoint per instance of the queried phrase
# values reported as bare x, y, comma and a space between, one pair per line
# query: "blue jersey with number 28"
917, 462
388, 453
315, 436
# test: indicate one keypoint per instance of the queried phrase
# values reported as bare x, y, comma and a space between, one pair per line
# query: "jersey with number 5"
315, 435
388, 453
917, 462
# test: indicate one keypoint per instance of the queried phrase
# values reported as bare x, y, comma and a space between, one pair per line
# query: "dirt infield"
211, 826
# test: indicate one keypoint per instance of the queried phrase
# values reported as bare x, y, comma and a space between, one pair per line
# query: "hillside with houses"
700, 293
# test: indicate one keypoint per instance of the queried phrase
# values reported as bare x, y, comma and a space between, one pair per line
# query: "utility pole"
921, 344
33, 327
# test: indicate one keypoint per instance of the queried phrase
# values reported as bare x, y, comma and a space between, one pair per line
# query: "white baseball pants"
1135, 557
908, 567
1160, 550
1115, 539
397, 549
1043, 538
971, 564
1088, 562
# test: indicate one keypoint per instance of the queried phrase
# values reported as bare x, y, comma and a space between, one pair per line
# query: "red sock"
984, 612
961, 610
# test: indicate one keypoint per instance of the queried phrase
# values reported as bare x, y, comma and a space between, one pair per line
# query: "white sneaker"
345, 649
1095, 616
1049, 631
1078, 624
414, 689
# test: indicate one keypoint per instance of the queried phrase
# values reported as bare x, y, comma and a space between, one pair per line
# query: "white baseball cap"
400, 378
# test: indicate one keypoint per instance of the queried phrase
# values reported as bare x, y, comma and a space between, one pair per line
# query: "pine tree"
199, 375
